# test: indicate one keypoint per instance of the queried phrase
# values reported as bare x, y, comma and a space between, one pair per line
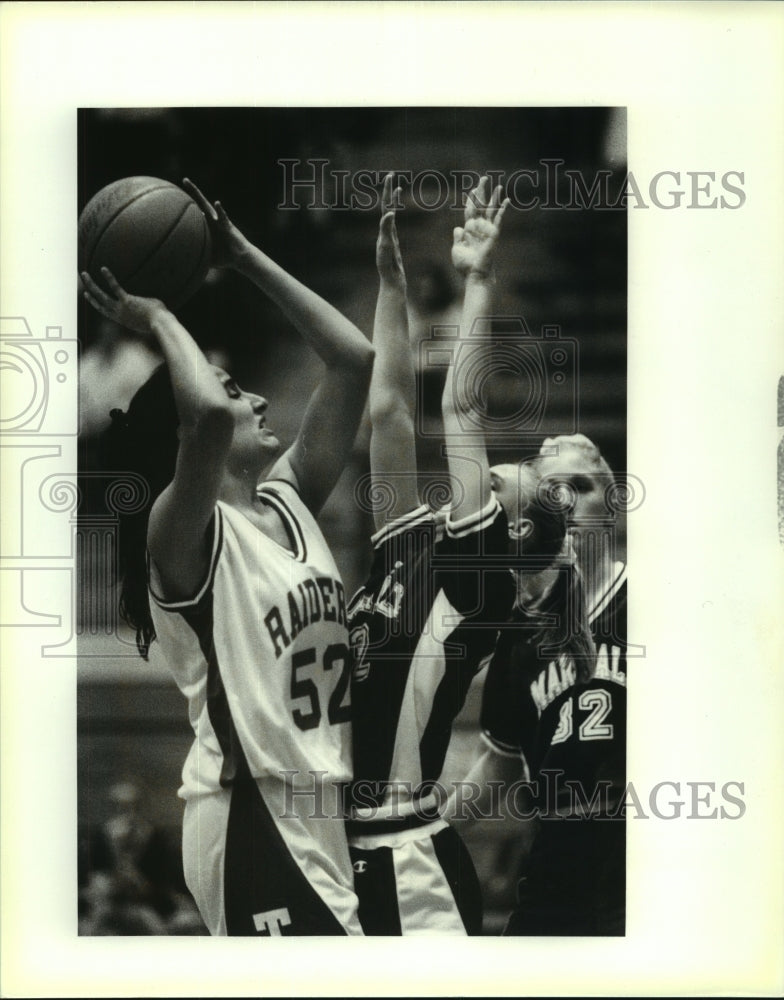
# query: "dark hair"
142, 441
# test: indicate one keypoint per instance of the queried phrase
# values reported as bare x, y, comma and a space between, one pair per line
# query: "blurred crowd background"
562, 272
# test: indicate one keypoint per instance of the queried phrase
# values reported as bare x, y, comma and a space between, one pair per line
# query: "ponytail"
570, 635
144, 441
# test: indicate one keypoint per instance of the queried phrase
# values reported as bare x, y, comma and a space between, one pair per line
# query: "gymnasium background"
561, 267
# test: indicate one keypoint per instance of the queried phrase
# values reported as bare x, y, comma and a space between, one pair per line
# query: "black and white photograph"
374, 382
429, 356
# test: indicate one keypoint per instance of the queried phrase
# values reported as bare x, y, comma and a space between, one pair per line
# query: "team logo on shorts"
271, 921
360, 867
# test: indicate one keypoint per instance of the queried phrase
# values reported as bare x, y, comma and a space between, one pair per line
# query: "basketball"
151, 235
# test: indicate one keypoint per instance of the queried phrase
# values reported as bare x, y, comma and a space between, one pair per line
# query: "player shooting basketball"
228, 569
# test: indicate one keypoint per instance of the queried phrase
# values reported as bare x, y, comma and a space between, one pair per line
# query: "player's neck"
240, 492
238, 489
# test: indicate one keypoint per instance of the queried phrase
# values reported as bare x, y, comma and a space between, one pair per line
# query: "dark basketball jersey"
572, 736
420, 628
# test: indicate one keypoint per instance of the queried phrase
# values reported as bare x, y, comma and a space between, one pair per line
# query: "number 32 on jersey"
596, 704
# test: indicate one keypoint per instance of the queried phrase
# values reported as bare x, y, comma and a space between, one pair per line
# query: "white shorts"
258, 864
418, 881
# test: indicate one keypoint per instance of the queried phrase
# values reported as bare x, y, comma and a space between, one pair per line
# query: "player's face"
586, 483
251, 433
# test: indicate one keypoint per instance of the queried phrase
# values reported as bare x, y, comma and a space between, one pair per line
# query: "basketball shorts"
257, 864
420, 881
574, 880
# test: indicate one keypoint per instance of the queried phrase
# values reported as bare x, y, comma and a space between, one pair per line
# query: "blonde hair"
580, 443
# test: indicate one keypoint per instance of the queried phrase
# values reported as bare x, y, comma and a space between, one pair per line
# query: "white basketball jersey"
261, 653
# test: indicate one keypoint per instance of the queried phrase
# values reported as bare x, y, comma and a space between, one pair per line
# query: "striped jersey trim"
290, 522
279, 479
419, 515
475, 522
217, 545
607, 596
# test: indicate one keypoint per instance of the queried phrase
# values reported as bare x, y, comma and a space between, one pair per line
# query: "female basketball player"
554, 710
246, 601
430, 610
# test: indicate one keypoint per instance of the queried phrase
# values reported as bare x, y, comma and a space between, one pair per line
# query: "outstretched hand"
389, 260
134, 312
474, 242
228, 243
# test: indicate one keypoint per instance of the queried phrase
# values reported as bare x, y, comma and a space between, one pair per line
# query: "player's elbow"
354, 371
365, 355
355, 358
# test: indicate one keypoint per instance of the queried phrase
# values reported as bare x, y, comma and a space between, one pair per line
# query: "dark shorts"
574, 879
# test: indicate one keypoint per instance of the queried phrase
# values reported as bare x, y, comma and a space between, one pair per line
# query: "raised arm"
178, 537
316, 459
392, 387
472, 255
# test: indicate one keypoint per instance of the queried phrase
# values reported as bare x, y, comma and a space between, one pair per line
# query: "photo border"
703, 85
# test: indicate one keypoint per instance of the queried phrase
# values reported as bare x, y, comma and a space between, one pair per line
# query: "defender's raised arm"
392, 388
473, 251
